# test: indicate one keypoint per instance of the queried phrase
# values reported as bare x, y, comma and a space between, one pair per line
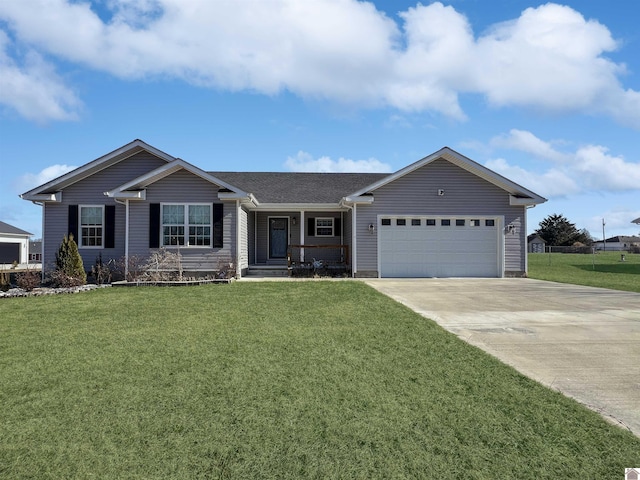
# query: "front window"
91, 225
324, 227
186, 225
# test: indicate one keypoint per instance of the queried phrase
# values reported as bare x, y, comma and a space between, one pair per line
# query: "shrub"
101, 271
69, 267
5, 282
28, 280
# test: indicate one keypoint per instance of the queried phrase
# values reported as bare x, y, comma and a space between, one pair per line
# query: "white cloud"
589, 168
527, 142
550, 58
33, 89
304, 162
32, 180
616, 220
550, 184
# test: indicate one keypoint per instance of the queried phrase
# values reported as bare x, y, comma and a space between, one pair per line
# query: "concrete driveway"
582, 341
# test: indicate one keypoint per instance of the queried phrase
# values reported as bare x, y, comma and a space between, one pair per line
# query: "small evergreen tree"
69, 262
558, 231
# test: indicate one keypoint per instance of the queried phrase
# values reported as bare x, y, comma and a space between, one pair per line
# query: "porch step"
267, 271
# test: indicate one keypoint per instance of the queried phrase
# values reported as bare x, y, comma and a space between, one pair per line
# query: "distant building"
535, 243
35, 251
619, 243
14, 244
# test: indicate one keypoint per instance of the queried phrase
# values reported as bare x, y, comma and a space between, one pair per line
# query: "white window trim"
186, 225
332, 227
80, 240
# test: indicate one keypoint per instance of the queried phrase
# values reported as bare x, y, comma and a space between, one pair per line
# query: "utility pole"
604, 239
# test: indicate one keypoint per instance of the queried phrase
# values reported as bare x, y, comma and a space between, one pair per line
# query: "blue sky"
545, 94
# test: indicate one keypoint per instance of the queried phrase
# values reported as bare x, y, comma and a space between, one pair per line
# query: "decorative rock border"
40, 291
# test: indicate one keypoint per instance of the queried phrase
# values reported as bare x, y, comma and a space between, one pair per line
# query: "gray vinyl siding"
417, 194
347, 232
251, 246
90, 191
183, 187
243, 257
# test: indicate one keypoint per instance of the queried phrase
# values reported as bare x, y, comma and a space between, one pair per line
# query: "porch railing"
319, 264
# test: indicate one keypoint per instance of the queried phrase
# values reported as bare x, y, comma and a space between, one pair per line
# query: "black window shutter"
109, 226
311, 227
336, 227
73, 223
154, 225
218, 213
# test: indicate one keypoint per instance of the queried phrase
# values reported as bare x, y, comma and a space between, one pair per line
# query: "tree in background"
69, 266
556, 230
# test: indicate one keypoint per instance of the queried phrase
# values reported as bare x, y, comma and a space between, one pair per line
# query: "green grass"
603, 269
274, 380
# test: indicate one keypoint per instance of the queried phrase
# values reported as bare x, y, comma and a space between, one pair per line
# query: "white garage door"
439, 247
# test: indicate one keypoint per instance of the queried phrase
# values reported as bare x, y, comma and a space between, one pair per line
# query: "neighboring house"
636, 221
535, 243
35, 252
444, 215
619, 243
14, 244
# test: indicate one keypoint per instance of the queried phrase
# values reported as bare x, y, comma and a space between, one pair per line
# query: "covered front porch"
299, 243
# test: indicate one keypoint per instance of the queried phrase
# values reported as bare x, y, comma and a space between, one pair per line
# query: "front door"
278, 237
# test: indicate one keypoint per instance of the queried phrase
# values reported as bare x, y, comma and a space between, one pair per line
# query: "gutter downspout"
41, 204
238, 266
126, 240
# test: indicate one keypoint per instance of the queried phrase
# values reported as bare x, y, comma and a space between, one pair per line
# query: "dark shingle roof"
6, 228
288, 187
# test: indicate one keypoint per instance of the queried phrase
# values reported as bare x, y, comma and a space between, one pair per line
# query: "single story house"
618, 243
14, 244
442, 216
536, 243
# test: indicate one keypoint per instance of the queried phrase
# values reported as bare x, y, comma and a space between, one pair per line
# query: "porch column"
302, 225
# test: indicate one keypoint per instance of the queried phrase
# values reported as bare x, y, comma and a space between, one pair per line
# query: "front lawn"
274, 380
603, 269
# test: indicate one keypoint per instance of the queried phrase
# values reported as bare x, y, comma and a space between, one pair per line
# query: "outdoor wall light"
441, 192
372, 227
511, 229
294, 221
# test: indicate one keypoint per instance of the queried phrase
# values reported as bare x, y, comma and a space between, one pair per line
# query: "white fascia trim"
92, 167
43, 197
168, 169
363, 199
517, 201
129, 195
286, 207
244, 199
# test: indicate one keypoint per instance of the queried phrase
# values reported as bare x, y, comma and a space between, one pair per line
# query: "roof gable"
527, 196
43, 191
5, 228
143, 181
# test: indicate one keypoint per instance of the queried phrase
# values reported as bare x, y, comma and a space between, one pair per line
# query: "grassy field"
604, 269
274, 380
